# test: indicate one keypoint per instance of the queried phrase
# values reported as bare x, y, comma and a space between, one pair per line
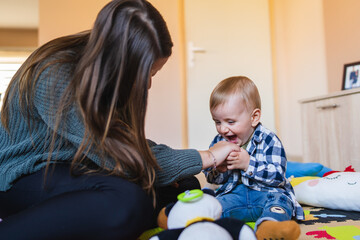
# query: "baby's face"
233, 120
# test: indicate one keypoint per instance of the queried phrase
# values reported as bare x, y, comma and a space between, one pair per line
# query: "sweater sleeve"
175, 164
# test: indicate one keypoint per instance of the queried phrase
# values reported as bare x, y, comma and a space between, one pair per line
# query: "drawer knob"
327, 106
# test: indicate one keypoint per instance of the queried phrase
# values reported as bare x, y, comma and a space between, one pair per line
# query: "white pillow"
340, 190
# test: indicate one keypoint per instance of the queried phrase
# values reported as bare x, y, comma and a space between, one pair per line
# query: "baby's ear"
255, 117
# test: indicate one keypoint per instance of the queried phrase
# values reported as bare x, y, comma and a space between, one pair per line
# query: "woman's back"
25, 148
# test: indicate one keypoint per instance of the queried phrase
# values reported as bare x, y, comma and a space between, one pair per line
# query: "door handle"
191, 53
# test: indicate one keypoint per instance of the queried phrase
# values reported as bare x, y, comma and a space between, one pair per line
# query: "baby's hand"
238, 160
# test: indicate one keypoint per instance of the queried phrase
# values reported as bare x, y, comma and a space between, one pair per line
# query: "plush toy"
299, 169
339, 190
196, 215
347, 169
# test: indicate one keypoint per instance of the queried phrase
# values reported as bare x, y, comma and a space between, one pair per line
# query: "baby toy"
196, 215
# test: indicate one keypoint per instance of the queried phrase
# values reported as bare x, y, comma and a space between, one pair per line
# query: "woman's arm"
177, 164
217, 154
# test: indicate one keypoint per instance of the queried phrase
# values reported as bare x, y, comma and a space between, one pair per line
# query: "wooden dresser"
331, 129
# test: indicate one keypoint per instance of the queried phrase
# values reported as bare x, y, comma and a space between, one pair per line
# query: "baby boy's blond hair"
240, 86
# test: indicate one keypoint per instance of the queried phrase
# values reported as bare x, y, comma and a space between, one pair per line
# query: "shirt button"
250, 173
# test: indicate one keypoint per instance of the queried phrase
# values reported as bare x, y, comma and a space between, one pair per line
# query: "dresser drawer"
331, 131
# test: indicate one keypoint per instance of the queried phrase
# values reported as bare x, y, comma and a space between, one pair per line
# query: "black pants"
80, 207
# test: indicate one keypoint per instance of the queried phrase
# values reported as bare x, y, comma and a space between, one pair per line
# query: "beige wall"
13, 38
165, 115
299, 64
342, 36
62, 17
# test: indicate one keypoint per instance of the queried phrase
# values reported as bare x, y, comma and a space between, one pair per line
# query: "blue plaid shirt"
266, 171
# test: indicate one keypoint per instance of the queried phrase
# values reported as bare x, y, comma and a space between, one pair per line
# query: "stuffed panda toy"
196, 215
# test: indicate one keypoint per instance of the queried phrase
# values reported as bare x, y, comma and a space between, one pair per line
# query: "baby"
254, 187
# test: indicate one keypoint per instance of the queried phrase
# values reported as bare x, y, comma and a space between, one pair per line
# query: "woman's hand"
217, 154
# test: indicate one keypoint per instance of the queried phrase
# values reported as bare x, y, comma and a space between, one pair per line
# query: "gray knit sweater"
25, 150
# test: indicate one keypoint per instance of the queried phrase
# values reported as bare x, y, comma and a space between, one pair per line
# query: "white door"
225, 38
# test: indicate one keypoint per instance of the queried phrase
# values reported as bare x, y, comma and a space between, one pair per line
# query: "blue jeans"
250, 205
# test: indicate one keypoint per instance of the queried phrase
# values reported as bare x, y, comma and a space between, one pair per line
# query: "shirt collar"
258, 134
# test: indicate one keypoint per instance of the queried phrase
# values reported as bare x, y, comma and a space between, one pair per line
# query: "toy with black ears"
196, 215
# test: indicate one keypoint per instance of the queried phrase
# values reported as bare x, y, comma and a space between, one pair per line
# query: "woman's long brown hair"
109, 84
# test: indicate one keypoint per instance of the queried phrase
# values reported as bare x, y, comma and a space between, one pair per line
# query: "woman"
74, 161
